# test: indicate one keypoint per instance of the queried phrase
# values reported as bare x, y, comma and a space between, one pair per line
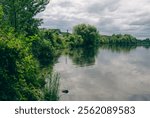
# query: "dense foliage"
89, 34
43, 50
118, 39
18, 70
19, 14
74, 41
21, 51
53, 36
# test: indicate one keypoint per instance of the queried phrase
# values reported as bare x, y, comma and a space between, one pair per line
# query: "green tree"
1, 13
89, 34
1, 16
20, 14
18, 70
43, 50
74, 41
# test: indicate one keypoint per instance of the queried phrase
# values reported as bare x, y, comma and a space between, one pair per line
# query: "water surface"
106, 73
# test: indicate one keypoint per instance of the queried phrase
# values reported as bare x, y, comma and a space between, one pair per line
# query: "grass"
51, 91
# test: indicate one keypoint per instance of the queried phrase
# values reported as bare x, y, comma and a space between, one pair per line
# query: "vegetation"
89, 34
22, 52
53, 37
74, 41
123, 40
51, 91
119, 39
19, 14
43, 51
18, 70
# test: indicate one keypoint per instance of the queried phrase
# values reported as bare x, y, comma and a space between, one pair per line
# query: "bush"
89, 34
74, 41
53, 36
43, 50
18, 70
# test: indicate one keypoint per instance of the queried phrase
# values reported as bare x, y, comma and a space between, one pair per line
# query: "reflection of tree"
119, 48
83, 56
146, 46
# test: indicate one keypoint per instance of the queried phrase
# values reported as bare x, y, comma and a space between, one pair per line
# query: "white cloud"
109, 16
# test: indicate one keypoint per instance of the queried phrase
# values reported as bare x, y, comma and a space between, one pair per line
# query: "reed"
51, 91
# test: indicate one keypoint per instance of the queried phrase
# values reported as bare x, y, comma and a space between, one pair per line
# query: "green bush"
43, 50
53, 36
74, 41
18, 70
89, 34
118, 39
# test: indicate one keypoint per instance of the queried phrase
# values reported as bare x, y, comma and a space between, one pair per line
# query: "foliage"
18, 70
118, 39
145, 43
54, 37
89, 34
43, 50
74, 41
19, 14
51, 91
1, 13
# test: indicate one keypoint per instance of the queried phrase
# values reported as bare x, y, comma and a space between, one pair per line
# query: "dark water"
107, 73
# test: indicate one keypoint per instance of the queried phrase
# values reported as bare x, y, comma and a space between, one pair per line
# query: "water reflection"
108, 73
119, 48
140, 97
83, 56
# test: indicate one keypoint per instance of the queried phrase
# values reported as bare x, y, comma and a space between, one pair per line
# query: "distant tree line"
85, 35
125, 39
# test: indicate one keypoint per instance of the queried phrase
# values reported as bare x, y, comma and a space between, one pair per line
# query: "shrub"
89, 34
43, 50
74, 41
18, 70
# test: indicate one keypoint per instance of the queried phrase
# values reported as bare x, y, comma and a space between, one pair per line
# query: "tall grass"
51, 91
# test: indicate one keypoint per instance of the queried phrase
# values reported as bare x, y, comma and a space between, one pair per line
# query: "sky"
109, 16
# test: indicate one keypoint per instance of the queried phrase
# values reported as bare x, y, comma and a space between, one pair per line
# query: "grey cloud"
107, 25
99, 7
109, 16
65, 4
144, 19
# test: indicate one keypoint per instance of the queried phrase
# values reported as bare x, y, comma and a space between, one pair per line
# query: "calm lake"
107, 73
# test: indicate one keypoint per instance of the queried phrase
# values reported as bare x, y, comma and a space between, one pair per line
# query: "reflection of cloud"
141, 97
110, 16
115, 76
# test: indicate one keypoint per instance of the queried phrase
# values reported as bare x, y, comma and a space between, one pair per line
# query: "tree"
74, 41
19, 14
89, 34
1, 13
18, 70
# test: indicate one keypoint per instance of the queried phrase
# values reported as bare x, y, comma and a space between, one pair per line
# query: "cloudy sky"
109, 16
